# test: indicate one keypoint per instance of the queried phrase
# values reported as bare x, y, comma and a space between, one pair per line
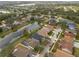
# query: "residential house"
21, 51
52, 21
28, 17
32, 27
4, 26
72, 31
36, 36
71, 26
60, 53
45, 30
30, 42
67, 42
17, 23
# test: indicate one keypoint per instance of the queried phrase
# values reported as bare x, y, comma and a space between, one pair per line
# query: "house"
28, 17
72, 31
52, 21
60, 53
21, 51
66, 21
71, 26
30, 42
4, 26
37, 17
45, 30
17, 23
67, 43
36, 36
67, 46
32, 27
69, 36
33, 54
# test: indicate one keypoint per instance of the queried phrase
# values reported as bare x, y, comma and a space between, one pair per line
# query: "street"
54, 37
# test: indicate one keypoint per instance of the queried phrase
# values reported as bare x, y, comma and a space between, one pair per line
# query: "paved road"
54, 37
57, 38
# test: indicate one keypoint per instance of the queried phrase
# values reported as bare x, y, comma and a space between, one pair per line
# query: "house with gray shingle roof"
32, 27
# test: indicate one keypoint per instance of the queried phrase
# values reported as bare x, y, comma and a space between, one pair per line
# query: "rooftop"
71, 26
37, 36
67, 46
68, 36
45, 30
30, 42
60, 53
33, 26
21, 51
67, 42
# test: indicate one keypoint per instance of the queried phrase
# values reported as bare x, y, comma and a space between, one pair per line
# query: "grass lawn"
5, 33
76, 40
77, 25
76, 52
38, 48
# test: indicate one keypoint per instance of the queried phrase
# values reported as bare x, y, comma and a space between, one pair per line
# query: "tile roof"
68, 36
67, 43
60, 53
45, 30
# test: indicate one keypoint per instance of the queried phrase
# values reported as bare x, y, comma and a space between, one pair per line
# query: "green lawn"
76, 52
38, 48
5, 33
76, 40
61, 35
77, 25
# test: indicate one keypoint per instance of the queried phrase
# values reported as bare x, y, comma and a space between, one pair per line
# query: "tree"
1, 30
63, 25
50, 33
38, 48
77, 36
